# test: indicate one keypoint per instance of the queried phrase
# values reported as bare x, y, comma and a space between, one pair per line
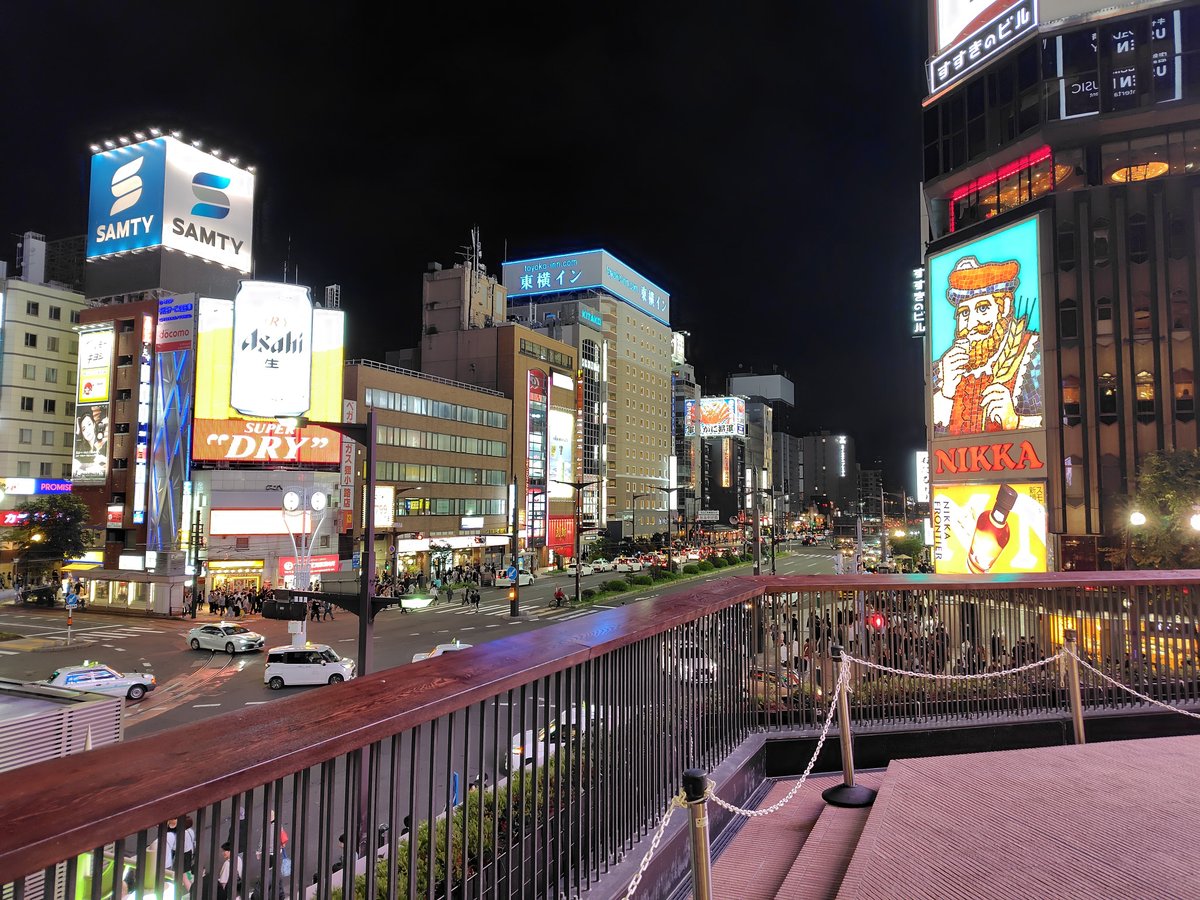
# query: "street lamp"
578, 487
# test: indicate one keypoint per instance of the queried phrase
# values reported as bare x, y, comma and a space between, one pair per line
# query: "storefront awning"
81, 566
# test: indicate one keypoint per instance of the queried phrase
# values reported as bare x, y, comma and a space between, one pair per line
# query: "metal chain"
1115, 683
939, 677
676, 802
843, 678
679, 801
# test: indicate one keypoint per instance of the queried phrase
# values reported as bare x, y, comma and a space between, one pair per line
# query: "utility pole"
514, 592
754, 479
578, 487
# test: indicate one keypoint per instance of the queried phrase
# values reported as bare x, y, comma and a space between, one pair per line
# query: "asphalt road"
197, 685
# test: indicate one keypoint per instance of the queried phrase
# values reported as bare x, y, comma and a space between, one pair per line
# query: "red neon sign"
984, 181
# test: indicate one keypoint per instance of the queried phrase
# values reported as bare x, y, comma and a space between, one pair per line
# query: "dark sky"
761, 166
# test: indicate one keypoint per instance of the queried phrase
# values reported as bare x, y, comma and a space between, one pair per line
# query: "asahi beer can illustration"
272, 350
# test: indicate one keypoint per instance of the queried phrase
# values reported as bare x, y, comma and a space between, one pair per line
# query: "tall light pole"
670, 515
578, 487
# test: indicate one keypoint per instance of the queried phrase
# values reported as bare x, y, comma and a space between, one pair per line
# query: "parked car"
310, 664
628, 564
688, 662
775, 688
531, 745
693, 554
101, 679
224, 636
456, 644
584, 569
601, 565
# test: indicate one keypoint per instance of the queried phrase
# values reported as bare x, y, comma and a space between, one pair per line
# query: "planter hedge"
718, 562
705, 566
616, 585
691, 569
641, 579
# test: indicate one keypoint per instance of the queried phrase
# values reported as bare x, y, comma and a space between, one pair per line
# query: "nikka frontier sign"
1015, 456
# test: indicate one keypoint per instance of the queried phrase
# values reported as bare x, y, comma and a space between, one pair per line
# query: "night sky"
761, 166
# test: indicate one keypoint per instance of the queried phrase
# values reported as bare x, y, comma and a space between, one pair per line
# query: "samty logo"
209, 189
126, 186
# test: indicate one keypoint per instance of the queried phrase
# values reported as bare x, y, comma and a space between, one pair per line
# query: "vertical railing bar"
214, 841
431, 856
118, 868
450, 801
516, 777
352, 840
393, 811
414, 827
374, 752
494, 863
325, 814
301, 786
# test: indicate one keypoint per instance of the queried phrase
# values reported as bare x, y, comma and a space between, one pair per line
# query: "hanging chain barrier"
934, 676
1083, 662
678, 800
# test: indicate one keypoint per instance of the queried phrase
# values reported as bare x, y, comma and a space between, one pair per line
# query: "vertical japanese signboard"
89, 459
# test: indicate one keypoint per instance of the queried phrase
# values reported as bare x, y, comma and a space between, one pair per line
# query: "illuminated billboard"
973, 32
244, 440
985, 336
997, 528
714, 417
561, 436
597, 269
95, 362
89, 459
274, 356
163, 192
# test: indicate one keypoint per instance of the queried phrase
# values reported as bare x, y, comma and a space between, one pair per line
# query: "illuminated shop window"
1108, 398
1184, 389
1003, 189
1070, 400
1146, 406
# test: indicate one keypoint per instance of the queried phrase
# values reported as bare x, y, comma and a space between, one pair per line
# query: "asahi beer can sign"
272, 350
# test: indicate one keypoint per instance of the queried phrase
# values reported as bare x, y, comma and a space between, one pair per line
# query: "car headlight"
518, 749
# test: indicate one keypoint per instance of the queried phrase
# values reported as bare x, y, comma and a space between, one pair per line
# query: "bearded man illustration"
990, 379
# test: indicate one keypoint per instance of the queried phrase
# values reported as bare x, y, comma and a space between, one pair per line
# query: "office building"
831, 469
1059, 227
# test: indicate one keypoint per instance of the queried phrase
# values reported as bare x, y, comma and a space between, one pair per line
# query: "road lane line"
253, 702
204, 705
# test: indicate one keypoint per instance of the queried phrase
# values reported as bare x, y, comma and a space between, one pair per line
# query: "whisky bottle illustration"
991, 532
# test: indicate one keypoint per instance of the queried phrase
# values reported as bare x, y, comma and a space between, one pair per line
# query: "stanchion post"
1071, 648
695, 789
847, 793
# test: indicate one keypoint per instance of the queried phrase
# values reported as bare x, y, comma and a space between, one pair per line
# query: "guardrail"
532, 764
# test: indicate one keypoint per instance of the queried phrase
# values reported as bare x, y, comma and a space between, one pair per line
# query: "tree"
55, 529
1168, 495
911, 545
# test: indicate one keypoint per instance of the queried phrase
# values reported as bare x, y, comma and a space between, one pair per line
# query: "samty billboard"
163, 192
989, 529
714, 417
985, 336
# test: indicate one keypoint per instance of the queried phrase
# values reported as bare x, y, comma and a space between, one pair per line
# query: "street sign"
708, 515
511, 574
357, 560
72, 601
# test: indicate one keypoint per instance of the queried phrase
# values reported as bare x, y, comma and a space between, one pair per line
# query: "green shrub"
661, 575
641, 579
691, 569
747, 557
587, 594
705, 565
732, 559
616, 585
719, 562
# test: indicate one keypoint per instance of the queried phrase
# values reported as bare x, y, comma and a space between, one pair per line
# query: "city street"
194, 685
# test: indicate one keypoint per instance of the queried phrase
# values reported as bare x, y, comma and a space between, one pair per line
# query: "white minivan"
310, 664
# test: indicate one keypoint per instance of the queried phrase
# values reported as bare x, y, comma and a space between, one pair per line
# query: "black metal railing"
529, 766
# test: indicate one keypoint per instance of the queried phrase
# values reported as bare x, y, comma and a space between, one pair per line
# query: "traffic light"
877, 621
512, 594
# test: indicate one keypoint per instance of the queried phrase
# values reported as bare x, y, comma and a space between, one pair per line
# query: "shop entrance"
235, 575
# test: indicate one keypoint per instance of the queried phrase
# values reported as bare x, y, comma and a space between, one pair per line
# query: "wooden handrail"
139, 784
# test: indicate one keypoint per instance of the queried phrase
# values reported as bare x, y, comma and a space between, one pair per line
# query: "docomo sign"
237, 440
318, 565
176, 326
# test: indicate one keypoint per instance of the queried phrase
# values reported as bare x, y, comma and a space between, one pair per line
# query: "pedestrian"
224, 890
328, 609
315, 611
475, 598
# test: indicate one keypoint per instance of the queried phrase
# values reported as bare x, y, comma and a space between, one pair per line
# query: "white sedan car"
628, 564
102, 679
531, 745
584, 569
225, 637
601, 565
440, 649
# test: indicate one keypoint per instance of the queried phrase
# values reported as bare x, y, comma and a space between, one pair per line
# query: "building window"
1139, 243
46, 469
23, 467
1185, 401
1177, 236
52, 376
1068, 320
124, 393
1108, 398
26, 404
48, 407
75, 317
1100, 242
28, 372
52, 344
25, 436
65, 471
1073, 477
67, 439
47, 438
120, 463
56, 313
1070, 400
125, 360
1181, 311
70, 408
31, 308
1104, 316
30, 339
1142, 320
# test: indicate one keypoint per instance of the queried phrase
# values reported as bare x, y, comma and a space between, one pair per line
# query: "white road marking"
9, 652
340, 641
204, 705
442, 631
497, 625
254, 702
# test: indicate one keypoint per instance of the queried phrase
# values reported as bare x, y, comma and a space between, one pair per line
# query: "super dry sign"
1001, 456
236, 440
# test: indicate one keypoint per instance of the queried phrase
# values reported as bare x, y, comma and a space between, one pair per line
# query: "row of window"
423, 406
45, 469
49, 406
31, 341
394, 471
450, 506
1145, 399
432, 440
545, 354
1179, 310
54, 313
25, 436
29, 373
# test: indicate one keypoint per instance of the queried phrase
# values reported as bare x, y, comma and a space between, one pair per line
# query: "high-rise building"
831, 469
788, 475
619, 323
38, 350
688, 447
1060, 169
